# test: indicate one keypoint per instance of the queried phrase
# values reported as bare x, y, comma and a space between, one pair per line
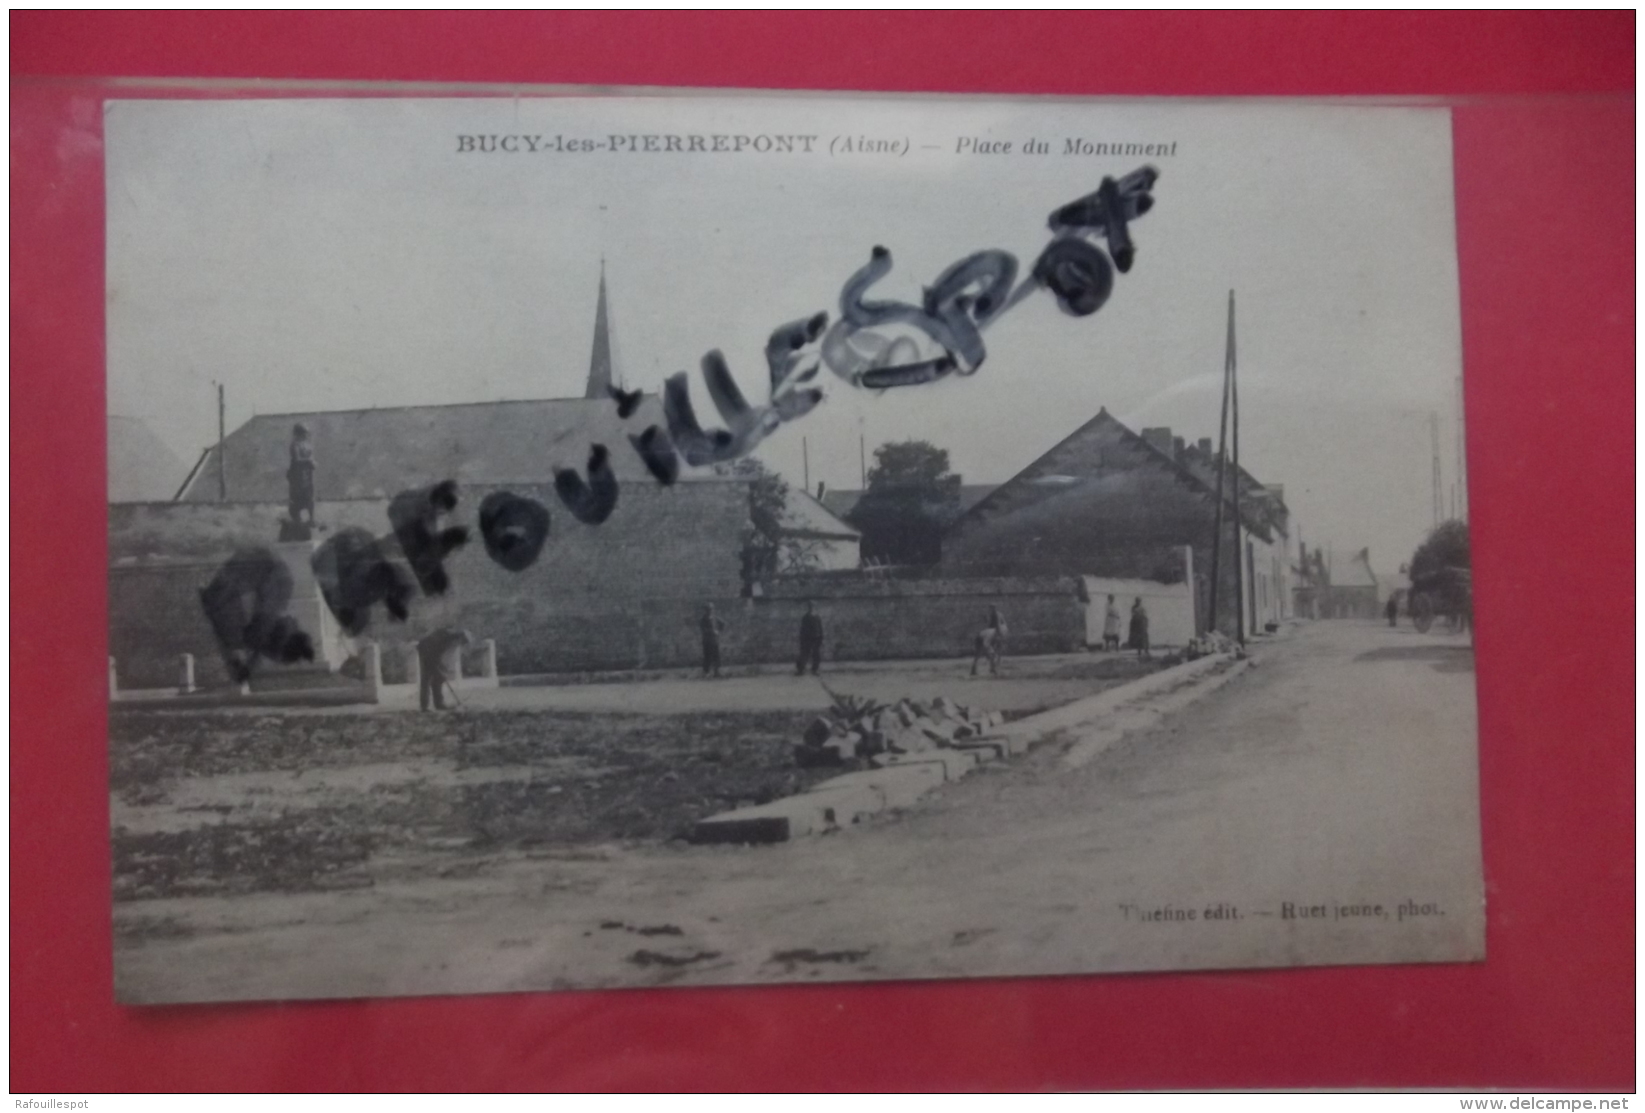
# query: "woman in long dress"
1139, 628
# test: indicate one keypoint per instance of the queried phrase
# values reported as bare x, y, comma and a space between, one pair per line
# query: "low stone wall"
624, 595
866, 619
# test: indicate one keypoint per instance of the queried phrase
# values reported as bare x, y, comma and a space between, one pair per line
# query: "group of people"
1138, 639
989, 644
712, 626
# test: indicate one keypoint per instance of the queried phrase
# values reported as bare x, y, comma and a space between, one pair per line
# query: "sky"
338, 254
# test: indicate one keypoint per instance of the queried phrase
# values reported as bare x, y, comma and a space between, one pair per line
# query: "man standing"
438, 661
1392, 610
811, 642
712, 628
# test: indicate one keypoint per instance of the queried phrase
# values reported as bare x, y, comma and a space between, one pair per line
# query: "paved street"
1321, 808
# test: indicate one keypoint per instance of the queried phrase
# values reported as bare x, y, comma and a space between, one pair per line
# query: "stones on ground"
818, 731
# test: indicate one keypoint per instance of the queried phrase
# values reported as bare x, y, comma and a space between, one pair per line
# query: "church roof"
377, 453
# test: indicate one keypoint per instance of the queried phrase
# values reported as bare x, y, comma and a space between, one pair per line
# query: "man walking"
811, 642
1392, 610
712, 628
438, 665
990, 643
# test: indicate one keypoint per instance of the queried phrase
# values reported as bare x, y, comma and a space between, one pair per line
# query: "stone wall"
866, 619
626, 594
623, 594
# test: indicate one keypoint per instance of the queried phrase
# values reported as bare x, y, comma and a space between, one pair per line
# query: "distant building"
1111, 503
823, 542
1353, 591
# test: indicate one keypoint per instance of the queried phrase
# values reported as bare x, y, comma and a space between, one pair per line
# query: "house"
814, 538
1113, 504
1354, 590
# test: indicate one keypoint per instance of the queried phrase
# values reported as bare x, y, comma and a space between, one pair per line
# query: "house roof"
1043, 478
804, 516
842, 502
141, 467
1356, 572
376, 453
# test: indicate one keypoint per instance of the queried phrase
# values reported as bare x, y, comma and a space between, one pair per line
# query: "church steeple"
599, 362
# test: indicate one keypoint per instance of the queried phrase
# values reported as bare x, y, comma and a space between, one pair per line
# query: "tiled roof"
842, 502
804, 516
379, 452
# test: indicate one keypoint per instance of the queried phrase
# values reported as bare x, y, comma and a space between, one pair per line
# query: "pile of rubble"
864, 730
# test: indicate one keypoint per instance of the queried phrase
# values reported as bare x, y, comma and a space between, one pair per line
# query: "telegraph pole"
222, 465
1462, 457
1439, 488
1239, 539
1222, 453
805, 464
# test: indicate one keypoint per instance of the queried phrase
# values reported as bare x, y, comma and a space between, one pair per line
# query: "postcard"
585, 541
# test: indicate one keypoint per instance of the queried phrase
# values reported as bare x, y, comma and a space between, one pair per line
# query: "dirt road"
1337, 776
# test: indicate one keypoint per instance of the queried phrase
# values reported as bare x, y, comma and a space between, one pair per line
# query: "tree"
1446, 548
911, 498
766, 550
1440, 576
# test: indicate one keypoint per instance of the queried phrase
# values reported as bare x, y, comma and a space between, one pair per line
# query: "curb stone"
901, 779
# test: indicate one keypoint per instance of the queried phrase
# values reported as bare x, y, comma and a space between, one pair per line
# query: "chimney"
1205, 448
1160, 438
1179, 448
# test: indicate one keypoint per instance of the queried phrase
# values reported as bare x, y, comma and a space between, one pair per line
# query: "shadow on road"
1446, 658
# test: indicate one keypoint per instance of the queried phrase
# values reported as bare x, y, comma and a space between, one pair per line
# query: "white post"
114, 681
185, 674
488, 668
371, 657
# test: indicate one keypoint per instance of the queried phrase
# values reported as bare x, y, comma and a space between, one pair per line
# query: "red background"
1546, 229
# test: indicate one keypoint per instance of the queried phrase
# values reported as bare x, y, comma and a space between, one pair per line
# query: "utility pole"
1462, 458
222, 465
805, 464
1222, 452
1239, 535
1439, 490
862, 461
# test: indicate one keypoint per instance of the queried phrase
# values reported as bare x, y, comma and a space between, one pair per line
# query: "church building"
622, 594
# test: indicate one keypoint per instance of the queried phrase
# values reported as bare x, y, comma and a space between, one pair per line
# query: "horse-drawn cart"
1445, 593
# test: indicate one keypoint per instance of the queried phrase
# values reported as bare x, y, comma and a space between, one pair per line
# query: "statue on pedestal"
300, 484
